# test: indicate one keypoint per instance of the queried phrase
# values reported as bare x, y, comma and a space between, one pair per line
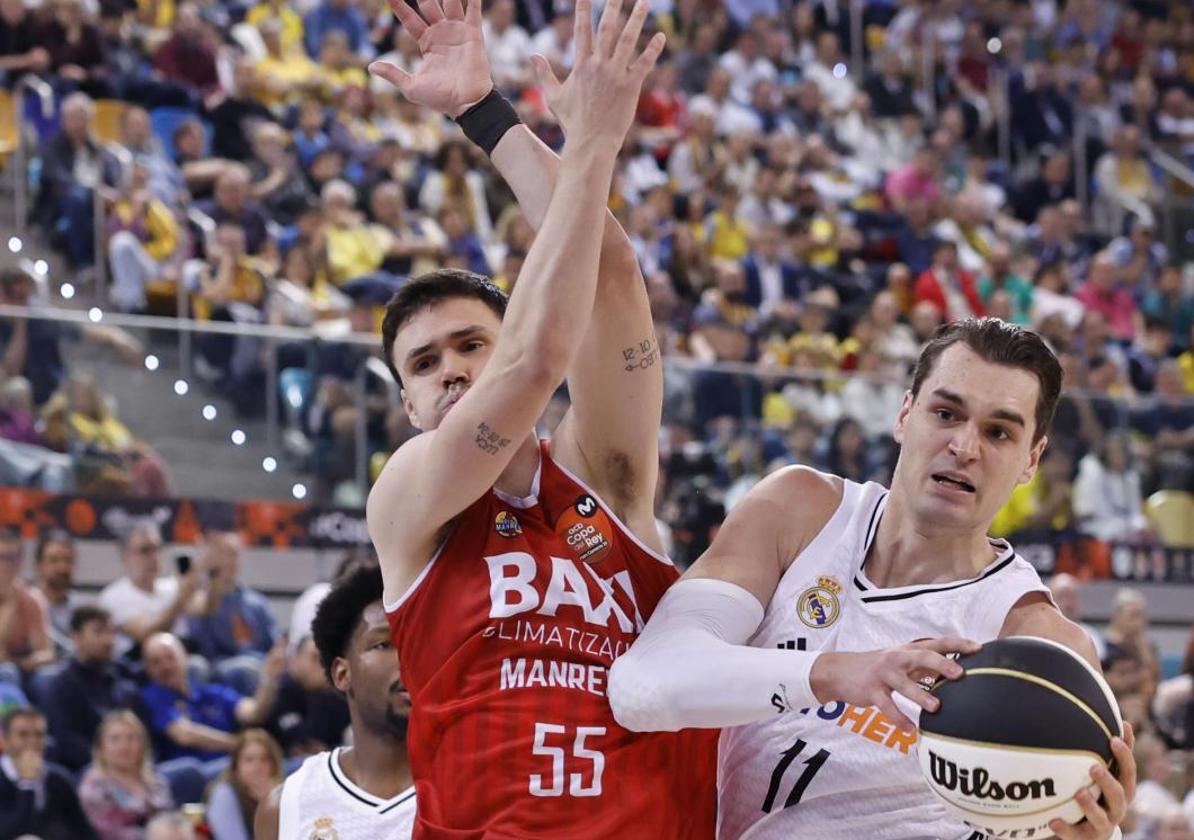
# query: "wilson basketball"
1015, 738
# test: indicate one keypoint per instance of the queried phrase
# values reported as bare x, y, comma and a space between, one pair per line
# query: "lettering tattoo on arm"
489, 441
640, 356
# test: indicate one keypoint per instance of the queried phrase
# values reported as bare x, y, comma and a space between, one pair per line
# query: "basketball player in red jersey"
517, 570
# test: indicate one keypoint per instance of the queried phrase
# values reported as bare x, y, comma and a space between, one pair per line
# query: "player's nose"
963, 445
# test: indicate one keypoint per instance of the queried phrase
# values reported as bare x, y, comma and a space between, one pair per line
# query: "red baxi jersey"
505, 642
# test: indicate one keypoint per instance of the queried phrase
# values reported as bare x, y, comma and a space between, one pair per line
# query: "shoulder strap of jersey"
289, 808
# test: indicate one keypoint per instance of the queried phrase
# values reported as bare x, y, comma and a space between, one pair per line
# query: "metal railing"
28, 84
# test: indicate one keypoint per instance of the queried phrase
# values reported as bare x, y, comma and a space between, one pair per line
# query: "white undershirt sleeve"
691, 666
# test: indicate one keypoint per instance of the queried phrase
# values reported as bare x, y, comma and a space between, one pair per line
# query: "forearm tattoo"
640, 356
489, 441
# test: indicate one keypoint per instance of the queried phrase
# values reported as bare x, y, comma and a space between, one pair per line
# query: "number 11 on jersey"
559, 757
811, 765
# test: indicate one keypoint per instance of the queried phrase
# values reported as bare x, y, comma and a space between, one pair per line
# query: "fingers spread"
646, 62
630, 33
608, 27
391, 73
582, 28
431, 11
453, 10
409, 18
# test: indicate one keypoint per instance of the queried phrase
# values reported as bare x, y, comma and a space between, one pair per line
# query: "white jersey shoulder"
840, 772
319, 802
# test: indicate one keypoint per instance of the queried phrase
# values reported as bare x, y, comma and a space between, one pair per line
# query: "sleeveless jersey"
319, 803
506, 640
840, 772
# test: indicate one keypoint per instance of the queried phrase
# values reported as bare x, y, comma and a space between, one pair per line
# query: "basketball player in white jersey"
822, 600
364, 791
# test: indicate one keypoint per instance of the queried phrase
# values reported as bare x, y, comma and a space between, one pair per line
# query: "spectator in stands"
187, 56
277, 180
1153, 796
889, 88
1101, 293
508, 47
20, 51
145, 243
1123, 180
337, 69
171, 825
17, 420
918, 180
165, 180
1173, 707
36, 798
338, 16
290, 22
233, 114
413, 243
233, 205
121, 792
234, 619
76, 50
33, 347
1000, 276
255, 768
770, 276
284, 73
192, 718
1139, 257
1168, 301
54, 565
948, 287
143, 602
1167, 420
308, 716
1064, 588
1107, 494
79, 418
353, 248
88, 687
1055, 183
454, 184
73, 166
1042, 508
1148, 352
1128, 632
24, 631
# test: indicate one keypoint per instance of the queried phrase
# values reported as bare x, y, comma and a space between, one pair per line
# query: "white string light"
238, 437
151, 362
299, 491
181, 387
269, 463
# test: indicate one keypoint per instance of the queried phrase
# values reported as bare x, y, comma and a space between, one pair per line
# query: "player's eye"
944, 414
1000, 433
470, 346
423, 363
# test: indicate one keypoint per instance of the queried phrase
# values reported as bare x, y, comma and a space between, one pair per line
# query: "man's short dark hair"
426, 291
1000, 343
339, 614
48, 538
84, 614
11, 716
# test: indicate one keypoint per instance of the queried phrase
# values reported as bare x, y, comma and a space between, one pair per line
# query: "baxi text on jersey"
573, 590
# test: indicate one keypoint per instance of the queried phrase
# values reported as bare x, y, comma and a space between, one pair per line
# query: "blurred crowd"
807, 209
170, 691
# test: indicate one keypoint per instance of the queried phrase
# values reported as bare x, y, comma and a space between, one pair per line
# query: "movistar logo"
977, 784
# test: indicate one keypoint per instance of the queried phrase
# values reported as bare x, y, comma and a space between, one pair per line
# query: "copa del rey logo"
603, 602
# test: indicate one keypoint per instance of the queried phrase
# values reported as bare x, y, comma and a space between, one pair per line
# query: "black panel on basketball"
1001, 708
1039, 657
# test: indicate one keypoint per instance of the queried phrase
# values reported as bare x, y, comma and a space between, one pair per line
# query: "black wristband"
488, 121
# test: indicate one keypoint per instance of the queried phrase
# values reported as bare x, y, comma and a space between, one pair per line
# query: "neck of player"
518, 479
377, 764
906, 552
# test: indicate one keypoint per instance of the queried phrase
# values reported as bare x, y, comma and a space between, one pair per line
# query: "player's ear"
901, 420
1034, 460
341, 680
409, 408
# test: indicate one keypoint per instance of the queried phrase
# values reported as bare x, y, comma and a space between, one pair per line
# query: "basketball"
1014, 739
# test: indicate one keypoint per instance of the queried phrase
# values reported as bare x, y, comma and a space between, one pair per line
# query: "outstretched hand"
600, 95
454, 72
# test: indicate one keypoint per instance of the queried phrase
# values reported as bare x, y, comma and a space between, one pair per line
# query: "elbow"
639, 700
541, 366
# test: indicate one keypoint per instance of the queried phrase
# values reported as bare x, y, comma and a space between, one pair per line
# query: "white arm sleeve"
690, 667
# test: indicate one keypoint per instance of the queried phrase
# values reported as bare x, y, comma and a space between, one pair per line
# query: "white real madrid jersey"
840, 772
320, 803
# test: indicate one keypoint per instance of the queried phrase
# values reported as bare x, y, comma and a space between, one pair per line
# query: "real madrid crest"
323, 830
819, 606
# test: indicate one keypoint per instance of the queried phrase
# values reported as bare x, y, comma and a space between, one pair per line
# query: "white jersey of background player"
364, 791
864, 591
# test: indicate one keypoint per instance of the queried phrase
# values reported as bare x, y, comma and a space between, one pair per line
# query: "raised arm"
613, 444
437, 475
677, 673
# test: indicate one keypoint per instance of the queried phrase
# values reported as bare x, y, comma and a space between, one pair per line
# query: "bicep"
616, 383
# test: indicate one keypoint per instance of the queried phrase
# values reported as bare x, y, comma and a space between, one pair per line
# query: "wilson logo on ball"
976, 783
